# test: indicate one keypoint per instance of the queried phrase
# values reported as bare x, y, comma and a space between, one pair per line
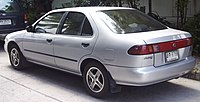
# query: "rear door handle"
85, 44
49, 40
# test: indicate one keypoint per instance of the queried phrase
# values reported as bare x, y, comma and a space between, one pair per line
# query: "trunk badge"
174, 44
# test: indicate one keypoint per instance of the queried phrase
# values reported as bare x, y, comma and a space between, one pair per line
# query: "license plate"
5, 22
171, 56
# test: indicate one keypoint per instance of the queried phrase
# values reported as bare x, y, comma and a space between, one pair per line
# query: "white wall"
162, 7
168, 7
165, 8
197, 6
59, 3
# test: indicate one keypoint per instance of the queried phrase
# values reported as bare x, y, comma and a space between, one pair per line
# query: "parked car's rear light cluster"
25, 18
160, 47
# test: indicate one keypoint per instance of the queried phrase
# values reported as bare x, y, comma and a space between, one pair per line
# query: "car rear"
167, 46
164, 54
12, 17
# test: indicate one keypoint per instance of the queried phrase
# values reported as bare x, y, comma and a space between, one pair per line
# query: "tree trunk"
185, 14
150, 6
120, 3
131, 3
178, 8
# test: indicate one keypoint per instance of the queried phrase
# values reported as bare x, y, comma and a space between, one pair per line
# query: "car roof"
89, 9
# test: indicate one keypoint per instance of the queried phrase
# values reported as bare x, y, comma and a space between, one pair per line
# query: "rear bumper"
150, 75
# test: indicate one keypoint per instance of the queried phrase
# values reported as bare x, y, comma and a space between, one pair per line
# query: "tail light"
160, 47
25, 18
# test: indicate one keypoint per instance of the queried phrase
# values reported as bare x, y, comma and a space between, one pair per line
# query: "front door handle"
85, 44
49, 40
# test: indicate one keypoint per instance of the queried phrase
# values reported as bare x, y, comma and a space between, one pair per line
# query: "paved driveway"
41, 84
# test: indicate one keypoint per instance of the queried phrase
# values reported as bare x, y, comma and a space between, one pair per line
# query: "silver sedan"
107, 46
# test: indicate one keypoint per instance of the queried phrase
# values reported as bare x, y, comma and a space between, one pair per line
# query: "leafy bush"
193, 26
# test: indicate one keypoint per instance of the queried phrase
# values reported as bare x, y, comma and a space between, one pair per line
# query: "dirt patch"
195, 73
191, 75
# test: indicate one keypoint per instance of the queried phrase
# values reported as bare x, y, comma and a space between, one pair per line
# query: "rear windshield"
129, 21
9, 6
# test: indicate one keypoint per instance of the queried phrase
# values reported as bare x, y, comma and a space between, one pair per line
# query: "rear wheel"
96, 80
17, 60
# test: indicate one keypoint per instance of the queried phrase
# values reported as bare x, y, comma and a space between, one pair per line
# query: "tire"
96, 80
17, 59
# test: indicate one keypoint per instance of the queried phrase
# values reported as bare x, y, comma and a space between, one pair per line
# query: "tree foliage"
193, 26
35, 8
119, 3
181, 6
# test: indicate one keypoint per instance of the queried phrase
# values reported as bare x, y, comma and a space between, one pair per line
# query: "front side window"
73, 24
129, 21
49, 24
9, 6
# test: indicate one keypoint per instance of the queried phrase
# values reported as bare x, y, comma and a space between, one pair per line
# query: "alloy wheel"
15, 58
95, 79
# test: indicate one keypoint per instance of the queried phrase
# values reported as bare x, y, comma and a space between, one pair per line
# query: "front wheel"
96, 80
17, 60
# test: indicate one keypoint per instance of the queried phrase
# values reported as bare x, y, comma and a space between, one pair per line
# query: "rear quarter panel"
112, 48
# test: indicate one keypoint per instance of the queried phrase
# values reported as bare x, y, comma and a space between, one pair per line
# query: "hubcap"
14, 55
95, 79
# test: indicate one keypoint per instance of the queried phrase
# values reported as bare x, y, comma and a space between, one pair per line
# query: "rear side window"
87, 29
76, 23
73, 24
9, 6
129, 21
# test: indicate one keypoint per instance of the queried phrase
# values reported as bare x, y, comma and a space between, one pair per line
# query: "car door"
75, 40
38, 45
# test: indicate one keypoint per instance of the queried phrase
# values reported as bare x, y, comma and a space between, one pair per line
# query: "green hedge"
193, 26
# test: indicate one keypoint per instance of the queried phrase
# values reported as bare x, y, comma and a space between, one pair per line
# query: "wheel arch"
11, 43
89, 60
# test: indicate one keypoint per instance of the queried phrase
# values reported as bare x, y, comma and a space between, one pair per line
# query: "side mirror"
29, 28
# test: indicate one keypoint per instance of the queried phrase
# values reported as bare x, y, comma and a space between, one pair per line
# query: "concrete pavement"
41, 84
